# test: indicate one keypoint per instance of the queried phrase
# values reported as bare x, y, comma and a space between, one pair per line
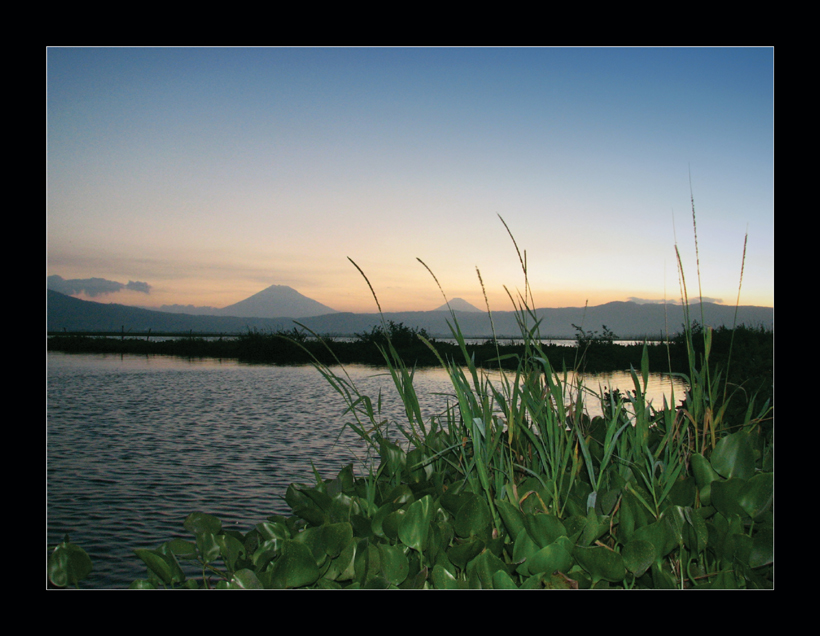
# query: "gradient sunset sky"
212, 173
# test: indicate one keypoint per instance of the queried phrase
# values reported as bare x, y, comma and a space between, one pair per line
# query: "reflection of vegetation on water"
513, 486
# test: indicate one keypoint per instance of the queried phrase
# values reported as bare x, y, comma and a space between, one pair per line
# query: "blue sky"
210, 174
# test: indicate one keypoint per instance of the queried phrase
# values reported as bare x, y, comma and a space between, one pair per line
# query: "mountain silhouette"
277, 301
458, 304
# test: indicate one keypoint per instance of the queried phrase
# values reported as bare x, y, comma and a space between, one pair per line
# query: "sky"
201, 176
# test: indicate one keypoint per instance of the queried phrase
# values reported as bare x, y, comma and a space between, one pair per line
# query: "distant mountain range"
625, 319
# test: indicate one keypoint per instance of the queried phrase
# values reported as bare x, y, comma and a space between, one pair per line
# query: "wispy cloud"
93, 286
669, 301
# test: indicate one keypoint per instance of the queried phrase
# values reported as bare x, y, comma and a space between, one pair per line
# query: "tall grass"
522, 440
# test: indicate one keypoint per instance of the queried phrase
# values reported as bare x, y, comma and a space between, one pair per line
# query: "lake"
136, 443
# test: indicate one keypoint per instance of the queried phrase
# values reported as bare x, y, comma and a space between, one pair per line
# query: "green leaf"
474, 517
757, 495
513, 518
544, 528
638, 556
503, 581
726, 496
484, 567
524, 548
552, 558
414, 526
230, 548
734, 456
660, 535
199, 522
182, 548
442, 579
602, 563
343, 567
295, 568
697, 537
762, 552
245, 580
68, 564
465, 551
209, 549
394, 564
337, 536
156, 564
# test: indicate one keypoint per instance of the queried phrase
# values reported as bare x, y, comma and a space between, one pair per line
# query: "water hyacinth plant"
513, 486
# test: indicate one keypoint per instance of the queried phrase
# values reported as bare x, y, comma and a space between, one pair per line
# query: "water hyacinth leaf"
697, 536
734, 456
601, 563
513, 518
400, 495
295, 496
464, 552
484, 568
414, 526
544, 529
394, 564
638, 556
393, 458
376, 583
726, 496
343, 567
245, 579
273, 531
704, 475
68, 564
552, 558
314, 539
762, 552
442, 579
595, 527
757, 495
659, 535
230, 549
337, 536
156, 564
368, 562
322, 500
208, 547
682, 492
345, 480
199, 522
377, 520
632, 515
390, 525
743, 548
503, 581
182, 548
474, 517
295, 568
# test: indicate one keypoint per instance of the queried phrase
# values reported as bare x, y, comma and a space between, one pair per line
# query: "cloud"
137, 286
651, 301
669, 301
93, 286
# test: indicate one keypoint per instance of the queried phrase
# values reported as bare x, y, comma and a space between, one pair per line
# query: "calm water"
136, 443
